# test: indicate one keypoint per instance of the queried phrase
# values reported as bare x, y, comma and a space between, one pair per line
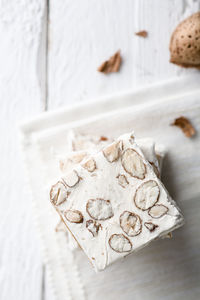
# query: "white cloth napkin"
167, 269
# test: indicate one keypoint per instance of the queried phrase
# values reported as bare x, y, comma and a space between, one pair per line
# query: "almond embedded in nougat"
133, 164
93, 227
185, 43
73, 216
120, 243
58, 193
112, 152
157, 211
147, 195
99, 209
122, 180
130, 223
150, 226
89, 165
71, 179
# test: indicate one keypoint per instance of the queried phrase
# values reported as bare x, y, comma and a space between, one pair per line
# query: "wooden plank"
82, 34
22, 94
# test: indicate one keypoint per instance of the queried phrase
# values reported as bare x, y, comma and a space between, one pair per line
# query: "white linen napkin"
167, 269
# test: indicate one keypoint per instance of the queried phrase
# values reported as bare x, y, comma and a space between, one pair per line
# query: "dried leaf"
185, 125
142, 33
111, 65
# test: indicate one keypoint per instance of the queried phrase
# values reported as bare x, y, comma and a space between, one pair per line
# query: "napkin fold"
165, 267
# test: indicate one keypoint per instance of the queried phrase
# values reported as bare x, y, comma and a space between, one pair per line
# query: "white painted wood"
82, 34
21, 96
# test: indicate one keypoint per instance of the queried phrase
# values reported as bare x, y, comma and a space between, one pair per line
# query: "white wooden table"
49, 53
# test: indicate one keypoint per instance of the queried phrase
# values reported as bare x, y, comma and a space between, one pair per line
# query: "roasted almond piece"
158, 211
147, 195
185, 125
89, 165
133, 164
73, 216
111, 65
120, 243
68, 163
78, 157
156, 171
122, 180
185, 43
168, 235
71, 179
93, 227
150, 226
112, 152
130, 223
58, 193
99, 209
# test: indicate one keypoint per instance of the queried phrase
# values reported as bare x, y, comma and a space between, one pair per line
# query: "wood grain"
21, 96
82, 34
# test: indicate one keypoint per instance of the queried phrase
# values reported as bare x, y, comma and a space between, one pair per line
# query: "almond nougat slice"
127, 217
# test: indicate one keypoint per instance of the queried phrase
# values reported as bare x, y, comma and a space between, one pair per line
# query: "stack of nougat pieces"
110, 196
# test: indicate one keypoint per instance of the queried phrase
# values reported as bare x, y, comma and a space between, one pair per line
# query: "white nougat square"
114, 204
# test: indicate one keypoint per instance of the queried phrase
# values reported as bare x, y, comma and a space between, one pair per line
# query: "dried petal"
120, 243
99, 209
158, 211
73, 216
133, 164
111, 65
185, 125
147, 195
130, 223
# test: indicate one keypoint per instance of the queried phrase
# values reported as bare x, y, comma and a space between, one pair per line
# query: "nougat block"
114, 204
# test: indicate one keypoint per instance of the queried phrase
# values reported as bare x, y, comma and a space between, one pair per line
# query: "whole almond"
185, 43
